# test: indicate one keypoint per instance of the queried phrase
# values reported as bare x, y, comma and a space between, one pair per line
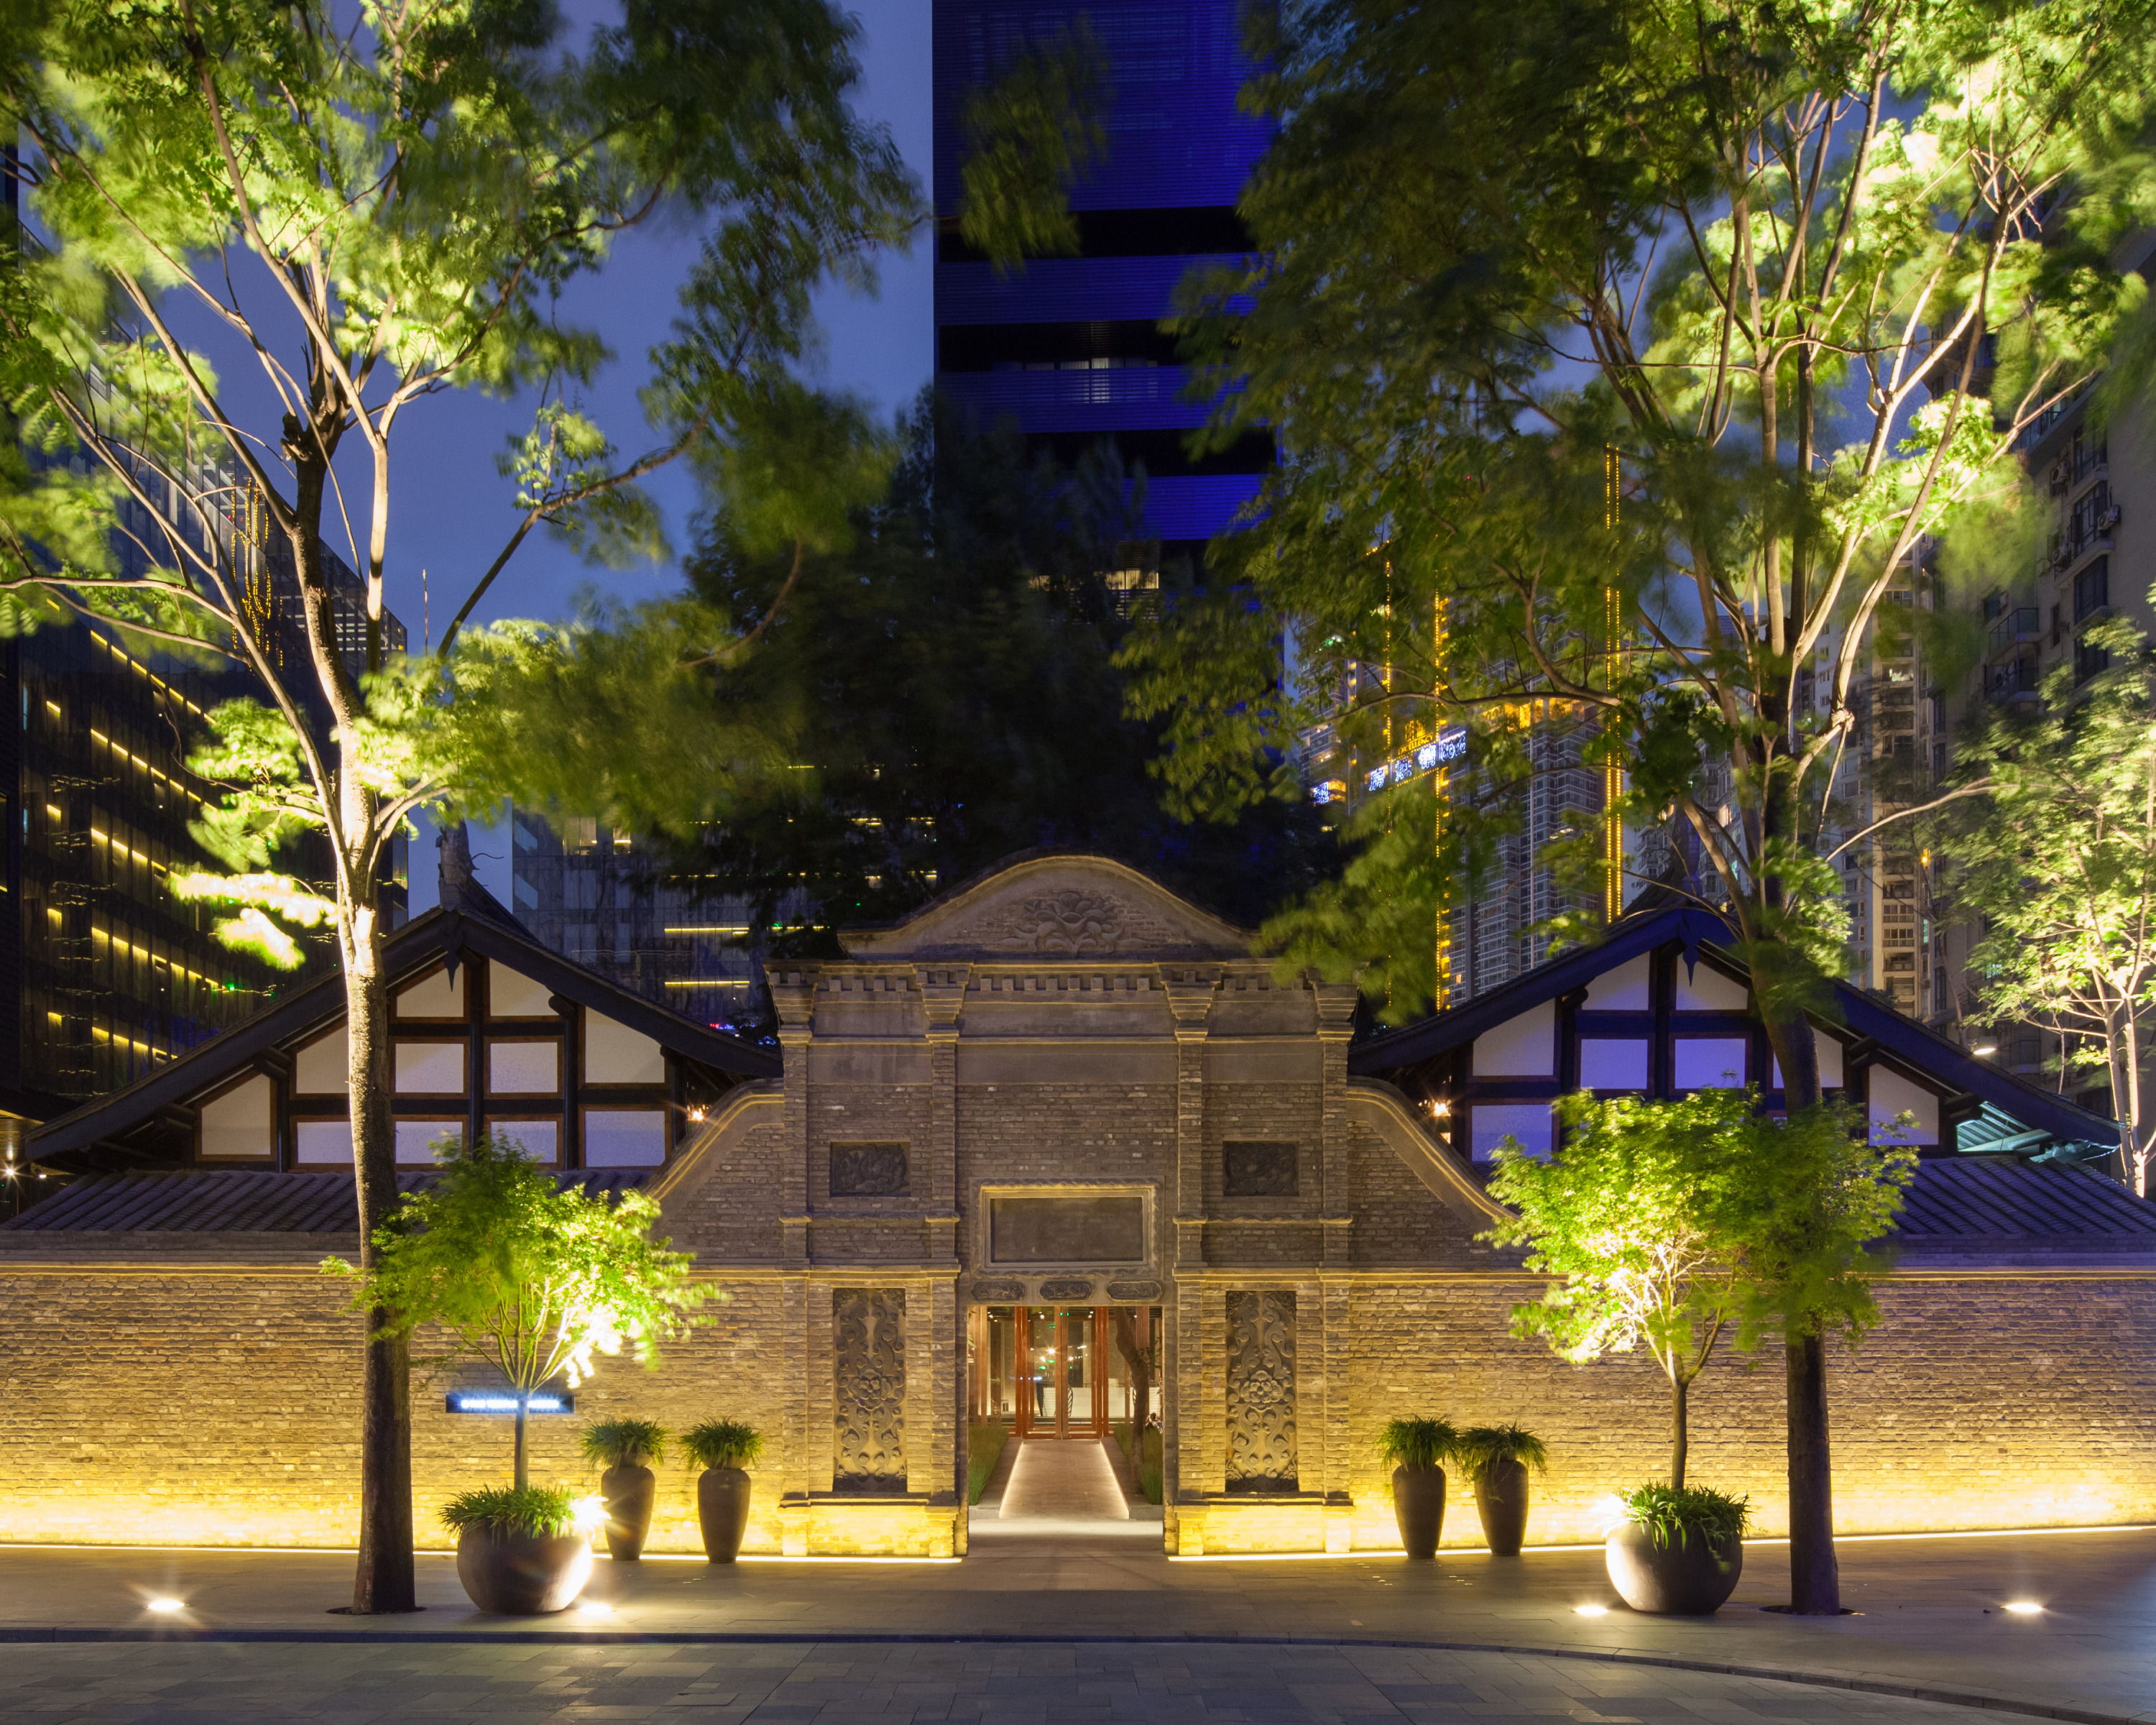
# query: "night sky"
452, 511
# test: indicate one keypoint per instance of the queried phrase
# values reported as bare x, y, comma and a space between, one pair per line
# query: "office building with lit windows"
1069, 349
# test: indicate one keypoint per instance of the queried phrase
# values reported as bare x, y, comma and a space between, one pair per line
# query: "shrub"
723, 1443
1144, 1458
507, 1512
984, 1448
1480, 1448
1677, 1512
1419, 1444
622, 1443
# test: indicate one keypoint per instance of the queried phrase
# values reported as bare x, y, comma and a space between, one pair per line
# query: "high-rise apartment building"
1069, 349
104, 975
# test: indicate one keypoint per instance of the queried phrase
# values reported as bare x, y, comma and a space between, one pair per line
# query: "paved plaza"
1049, 1629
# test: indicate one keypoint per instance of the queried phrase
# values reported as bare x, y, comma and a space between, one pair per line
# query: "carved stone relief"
867, 1359
1144, 1292
999, 1292
1261, 1391
1067, 1287
1072, 922
868, 1170
1250, 1169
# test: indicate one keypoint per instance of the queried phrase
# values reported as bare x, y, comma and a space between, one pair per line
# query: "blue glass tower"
1069, 350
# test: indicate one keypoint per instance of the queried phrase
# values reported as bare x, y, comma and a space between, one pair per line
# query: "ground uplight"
1592, 1610
596, 1608
167, 1605
2024, 1608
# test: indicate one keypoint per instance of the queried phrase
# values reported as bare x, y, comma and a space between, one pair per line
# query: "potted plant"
1496, 1459
1678, 1551
1419, 1449
626, 1449
724, 1448
535, 1279
521, 1550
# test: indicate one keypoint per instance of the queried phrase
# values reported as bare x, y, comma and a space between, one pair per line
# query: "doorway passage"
1061, 1371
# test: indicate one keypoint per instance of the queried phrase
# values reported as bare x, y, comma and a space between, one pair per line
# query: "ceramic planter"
1691, 1579
1419, 1507
722, 1511
629, 1491
1500, 1497
522, 1574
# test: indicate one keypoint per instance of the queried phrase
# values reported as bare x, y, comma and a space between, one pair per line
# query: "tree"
947, 684
2057, 857
1621, 353
530, 1277
1673, 1223
1633, 1218
368, 209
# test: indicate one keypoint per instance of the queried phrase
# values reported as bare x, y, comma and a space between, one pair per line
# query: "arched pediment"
1055, 907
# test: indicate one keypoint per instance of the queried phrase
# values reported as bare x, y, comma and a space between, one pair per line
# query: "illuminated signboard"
1448, 745
504, 1401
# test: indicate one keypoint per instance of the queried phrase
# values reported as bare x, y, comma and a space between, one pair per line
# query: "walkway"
1097, 1628
1061, 1491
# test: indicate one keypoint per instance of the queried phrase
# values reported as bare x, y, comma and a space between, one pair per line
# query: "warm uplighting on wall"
2024, 1608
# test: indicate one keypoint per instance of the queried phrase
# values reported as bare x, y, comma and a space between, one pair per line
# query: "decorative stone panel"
998, 1293
1067, 1287
868, 1374
1143, 1293
1261, 1451
868, 1170
1257, 1169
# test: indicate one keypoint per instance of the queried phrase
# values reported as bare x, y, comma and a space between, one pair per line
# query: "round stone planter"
1500, 1498
628, 1492
522, 1574
1419, 1507
722, 1512
1691, 1579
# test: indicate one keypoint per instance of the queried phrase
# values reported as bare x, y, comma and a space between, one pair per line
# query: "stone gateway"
1057, 1094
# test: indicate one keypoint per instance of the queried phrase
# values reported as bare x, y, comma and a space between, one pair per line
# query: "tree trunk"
1677, 1437
384, 1581
523, 1455
1814, 1577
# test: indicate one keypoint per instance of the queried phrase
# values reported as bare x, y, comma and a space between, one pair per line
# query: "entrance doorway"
1053, 1371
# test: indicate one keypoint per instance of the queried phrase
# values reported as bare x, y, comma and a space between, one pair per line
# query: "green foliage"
1418, 1444
1671, 1224
1480, 1448
1145, 1458
723, 1443
622, 1443
533, 1278
512, 1511
2056, 862
985, 1440
946, 687
1029, 137
1678, 1515
1753, 254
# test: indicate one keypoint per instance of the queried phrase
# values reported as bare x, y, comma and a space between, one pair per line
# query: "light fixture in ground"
2024, 1608
1591, 1610
595, 1608
165, 1606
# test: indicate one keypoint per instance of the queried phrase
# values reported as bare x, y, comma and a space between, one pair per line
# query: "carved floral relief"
867, 1357
1261, 1455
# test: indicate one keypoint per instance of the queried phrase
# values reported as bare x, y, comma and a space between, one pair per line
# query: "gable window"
239, 1124
624, 1137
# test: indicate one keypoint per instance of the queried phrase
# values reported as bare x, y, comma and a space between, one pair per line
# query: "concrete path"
1932, 1625
1068, 1481
1022, 1684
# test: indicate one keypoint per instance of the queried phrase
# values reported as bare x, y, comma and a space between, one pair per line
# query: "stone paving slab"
1137, 1683
1931, 1627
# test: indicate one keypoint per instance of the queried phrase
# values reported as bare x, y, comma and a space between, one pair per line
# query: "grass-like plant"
1418, 1444
723, 1443
1480, 1448
985, 1442
508, 1512
1677, 1513
622, 1443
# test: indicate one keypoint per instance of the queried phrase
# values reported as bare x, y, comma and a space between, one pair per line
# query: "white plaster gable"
1055, 907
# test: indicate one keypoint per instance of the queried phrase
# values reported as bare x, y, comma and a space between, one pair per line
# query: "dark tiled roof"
2000, 1198
236, 1201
